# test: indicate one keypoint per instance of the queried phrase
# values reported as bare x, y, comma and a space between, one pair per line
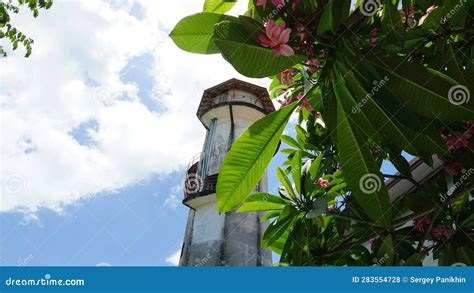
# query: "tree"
12, 34
369, 82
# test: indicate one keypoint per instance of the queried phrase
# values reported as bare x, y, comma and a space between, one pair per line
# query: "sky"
97, 126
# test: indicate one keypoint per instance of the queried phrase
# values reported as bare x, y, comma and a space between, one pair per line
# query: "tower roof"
209, 95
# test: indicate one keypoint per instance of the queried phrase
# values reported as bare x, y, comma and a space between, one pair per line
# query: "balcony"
194, 185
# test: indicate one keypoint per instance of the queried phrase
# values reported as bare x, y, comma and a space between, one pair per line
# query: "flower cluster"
276, 37
421, 222
323, 183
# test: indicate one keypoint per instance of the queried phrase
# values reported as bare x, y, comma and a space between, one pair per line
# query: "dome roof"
209, 95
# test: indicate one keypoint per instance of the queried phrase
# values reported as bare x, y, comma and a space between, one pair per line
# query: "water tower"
230, 239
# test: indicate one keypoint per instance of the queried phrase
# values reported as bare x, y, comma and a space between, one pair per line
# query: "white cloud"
46, 96
173, 259
172, 201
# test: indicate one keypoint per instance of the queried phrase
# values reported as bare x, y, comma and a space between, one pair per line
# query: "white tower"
232, 239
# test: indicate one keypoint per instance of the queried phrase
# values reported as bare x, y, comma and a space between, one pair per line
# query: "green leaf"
360, 169
426, 91
465, 255
334, 14
319, 208
278, 230
285, 181
296, 171
194, 33
415, 260
248, 158
334, 190
262, 201
246, 56
400, 163
386, 252
218, 6
392, 24
270, 215
290, 141
416, 143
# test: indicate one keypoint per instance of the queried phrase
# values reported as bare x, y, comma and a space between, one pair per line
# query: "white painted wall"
208, 224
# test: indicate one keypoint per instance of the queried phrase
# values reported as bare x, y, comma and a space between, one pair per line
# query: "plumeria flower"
442, 231
421, 222
263, 3
276, 37
454, 168
314, 65
320, 121
373, 37
295, 3
457, 140
304, 104
286, 77
286, 101
426, 250
428, 11
323, 183
409, 12
301, 31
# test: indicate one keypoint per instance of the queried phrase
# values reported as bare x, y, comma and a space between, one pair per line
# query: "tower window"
223, 97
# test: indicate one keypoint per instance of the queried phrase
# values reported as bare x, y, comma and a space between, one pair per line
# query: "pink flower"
457, 140
286, 76
426, 250
421, 222
295, 3
323, 183
428, 11
373, 37
286, 101
454, 168
277, 3
276, 37
314, 65
300, 31
409, 12
262, 3
442, 231
306, 105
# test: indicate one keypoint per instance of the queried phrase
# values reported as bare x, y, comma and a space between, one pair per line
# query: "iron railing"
194, 184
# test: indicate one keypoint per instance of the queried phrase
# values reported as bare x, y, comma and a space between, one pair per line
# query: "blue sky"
96, 137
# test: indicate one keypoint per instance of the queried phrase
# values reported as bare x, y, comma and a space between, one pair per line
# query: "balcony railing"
194, 184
